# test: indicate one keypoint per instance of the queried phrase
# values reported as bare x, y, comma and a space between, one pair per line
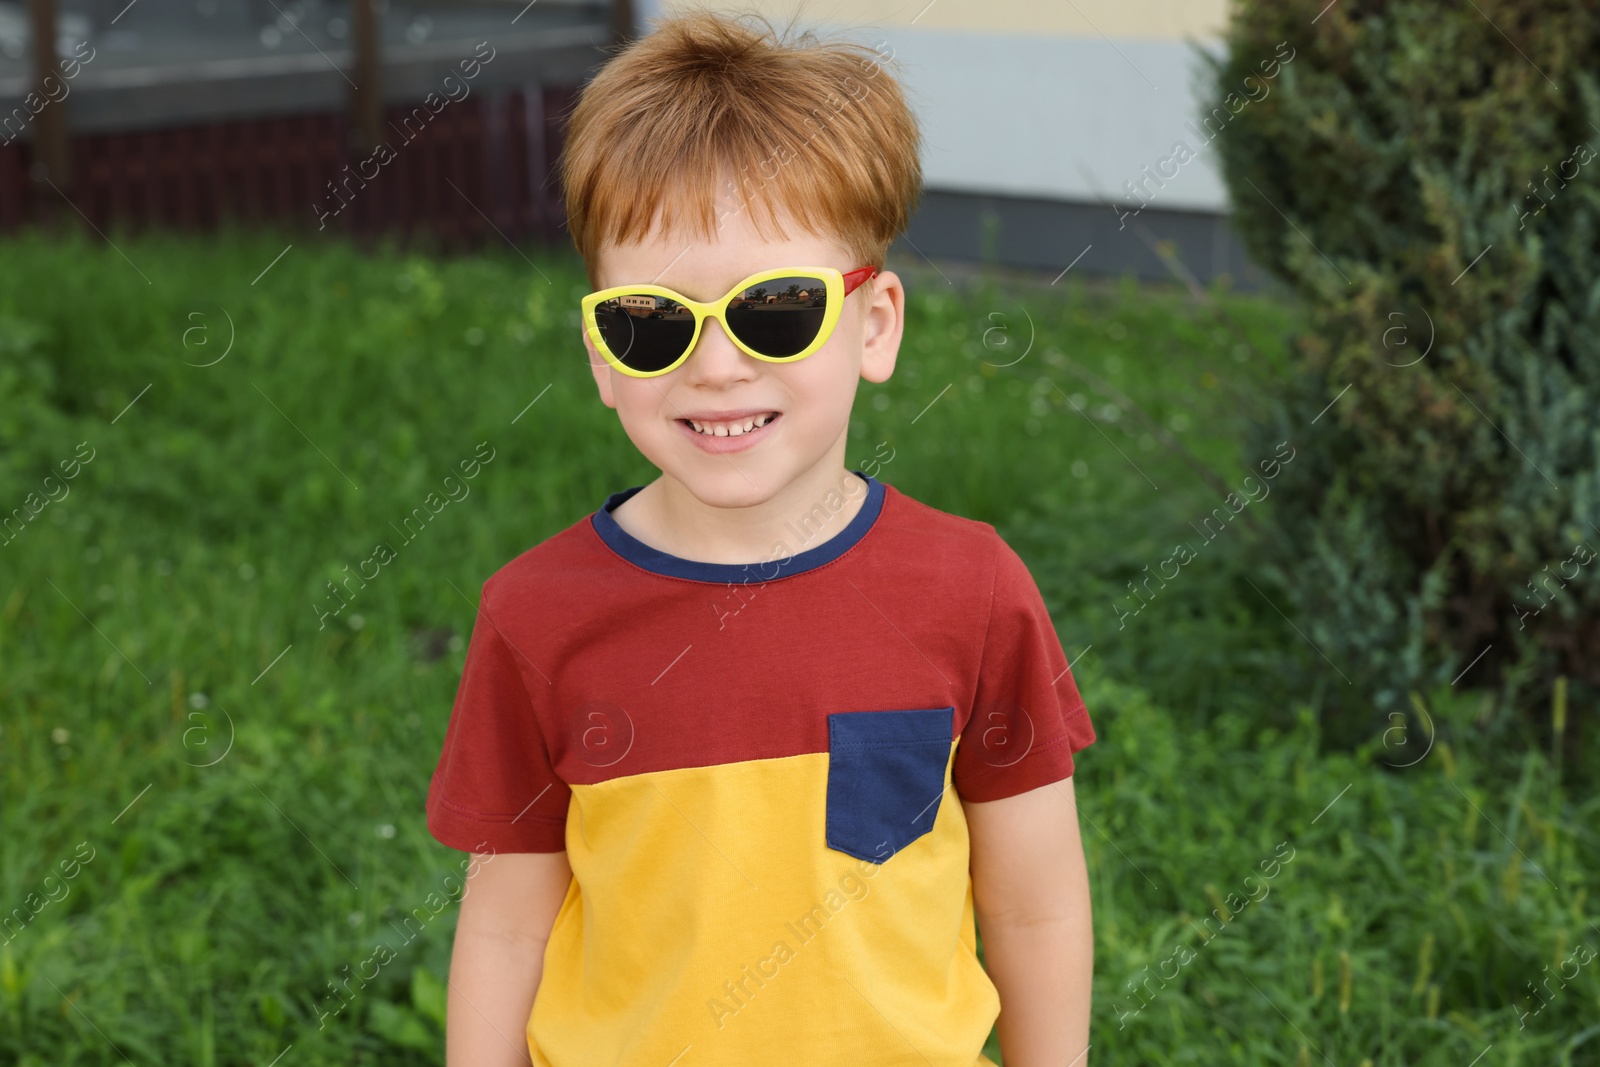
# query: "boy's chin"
716, 483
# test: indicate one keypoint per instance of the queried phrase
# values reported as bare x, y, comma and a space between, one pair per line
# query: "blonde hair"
812, 130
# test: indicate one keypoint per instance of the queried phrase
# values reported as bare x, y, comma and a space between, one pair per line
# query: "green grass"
160, 648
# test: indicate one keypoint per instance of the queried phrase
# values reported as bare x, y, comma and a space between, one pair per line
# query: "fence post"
50, 124
622, 23
366, 99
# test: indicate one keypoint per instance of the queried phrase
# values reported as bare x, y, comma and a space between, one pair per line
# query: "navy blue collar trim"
640, 554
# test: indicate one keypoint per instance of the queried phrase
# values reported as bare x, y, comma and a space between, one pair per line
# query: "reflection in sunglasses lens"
645, 332
780, 316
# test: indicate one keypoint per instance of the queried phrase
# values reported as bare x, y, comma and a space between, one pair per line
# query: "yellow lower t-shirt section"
708, 923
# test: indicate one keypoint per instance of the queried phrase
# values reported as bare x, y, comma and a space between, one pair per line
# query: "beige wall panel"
1160, 19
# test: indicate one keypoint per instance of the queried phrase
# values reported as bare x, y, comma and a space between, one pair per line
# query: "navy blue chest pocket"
885, 778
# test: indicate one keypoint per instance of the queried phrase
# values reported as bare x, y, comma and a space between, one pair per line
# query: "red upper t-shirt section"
594, 657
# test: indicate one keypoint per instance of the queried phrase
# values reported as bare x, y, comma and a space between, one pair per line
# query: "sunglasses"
780, 316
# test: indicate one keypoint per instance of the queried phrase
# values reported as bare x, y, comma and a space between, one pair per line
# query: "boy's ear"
600, 368
885, 323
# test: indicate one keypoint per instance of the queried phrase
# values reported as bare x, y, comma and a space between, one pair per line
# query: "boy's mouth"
729, 431
734, 425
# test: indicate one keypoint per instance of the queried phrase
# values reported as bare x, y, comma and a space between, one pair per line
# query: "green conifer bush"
1426, 177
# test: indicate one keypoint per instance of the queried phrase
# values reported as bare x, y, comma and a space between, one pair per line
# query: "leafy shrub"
1424, 176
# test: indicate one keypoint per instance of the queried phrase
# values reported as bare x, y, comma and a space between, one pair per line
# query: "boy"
743, 754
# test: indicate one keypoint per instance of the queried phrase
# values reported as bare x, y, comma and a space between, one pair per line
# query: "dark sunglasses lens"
646, 333
780, 316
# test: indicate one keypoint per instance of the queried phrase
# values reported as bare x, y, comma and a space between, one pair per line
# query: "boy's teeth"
731, 429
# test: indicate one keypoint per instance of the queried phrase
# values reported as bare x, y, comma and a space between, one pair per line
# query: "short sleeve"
1027, 718
494, 789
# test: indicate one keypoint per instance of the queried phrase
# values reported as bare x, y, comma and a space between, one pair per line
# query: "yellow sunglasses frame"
832, 279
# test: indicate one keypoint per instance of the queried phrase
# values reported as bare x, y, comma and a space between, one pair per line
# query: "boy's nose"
716, 358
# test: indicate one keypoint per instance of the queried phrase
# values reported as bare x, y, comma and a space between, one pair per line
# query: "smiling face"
800, 450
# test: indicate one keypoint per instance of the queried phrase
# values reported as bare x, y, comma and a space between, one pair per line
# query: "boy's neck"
668, 517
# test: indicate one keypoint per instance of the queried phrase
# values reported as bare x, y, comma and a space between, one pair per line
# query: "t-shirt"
757, 772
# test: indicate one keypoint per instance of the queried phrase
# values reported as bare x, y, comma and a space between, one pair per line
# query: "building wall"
1159, 19
1041, 98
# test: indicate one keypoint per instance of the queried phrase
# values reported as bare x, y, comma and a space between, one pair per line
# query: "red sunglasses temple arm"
856, 277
